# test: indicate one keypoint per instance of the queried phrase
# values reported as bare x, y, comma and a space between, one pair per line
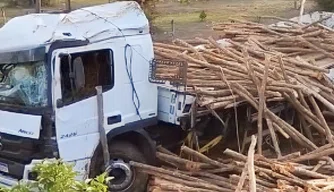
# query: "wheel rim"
122, 174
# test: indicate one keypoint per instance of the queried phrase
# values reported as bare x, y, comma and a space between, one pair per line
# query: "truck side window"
89, 69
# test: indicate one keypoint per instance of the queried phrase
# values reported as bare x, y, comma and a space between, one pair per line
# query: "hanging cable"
128, 66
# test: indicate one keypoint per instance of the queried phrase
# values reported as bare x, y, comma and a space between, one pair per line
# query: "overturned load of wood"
238, 172
313, 42
260, 65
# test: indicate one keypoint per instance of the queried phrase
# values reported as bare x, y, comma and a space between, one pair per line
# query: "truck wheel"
126, 178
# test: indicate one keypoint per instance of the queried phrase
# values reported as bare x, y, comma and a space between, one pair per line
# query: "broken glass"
24, 84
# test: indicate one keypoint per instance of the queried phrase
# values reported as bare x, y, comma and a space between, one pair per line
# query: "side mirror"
60, 103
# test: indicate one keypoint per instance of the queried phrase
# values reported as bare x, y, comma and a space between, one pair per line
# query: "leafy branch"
57, 176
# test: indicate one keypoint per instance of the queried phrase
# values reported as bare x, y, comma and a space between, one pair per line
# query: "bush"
327, 5
57, 176
202, 15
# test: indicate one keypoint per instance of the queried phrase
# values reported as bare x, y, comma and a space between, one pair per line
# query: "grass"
217, 10
182, 18
212, 16
186, 16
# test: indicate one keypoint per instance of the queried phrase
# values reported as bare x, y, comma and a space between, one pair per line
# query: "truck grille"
16, 152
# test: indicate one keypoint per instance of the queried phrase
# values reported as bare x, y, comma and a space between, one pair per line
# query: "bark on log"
250, 165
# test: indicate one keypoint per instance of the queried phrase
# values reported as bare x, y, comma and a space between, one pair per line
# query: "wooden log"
273, 137
297, 136
227, 81
242, 179
259, 188
282, 132
250, 165
310, 174
306, 127
227, 99
330, 55
294, 101
161, 149
265, 183
235, 155
261, 106
307, 114
202, 157
288, 60
301, 139
267, 177
293, 169
329, 97
177, 177
185, 44
188, 165
317, 155
165, 185
329, 135
212, 178
319, 165
288, 157
229, 53
318, 85
289, 177
220, 170
309, 91
173, 47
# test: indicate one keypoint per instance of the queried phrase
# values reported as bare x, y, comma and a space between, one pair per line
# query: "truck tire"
121, 152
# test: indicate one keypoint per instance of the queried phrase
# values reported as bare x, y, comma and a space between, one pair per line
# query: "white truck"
50, 67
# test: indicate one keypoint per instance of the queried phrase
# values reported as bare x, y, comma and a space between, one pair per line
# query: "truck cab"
50, 66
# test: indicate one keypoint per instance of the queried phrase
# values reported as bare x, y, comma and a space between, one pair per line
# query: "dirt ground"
186, 15
188, 25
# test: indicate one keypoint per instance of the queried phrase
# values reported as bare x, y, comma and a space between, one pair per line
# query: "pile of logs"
313, 42
238, 172
260, 66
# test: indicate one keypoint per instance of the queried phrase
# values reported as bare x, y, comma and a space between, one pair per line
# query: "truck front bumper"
80, 166
7, 182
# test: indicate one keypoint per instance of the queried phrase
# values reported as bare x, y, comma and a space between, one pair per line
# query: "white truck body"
70, 130
105, 27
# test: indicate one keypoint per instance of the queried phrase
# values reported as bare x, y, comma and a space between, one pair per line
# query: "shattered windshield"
23, 84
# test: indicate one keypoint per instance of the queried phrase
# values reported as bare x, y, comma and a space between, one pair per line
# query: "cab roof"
92, 23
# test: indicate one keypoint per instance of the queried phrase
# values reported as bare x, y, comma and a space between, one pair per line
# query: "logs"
260, 67
252, 173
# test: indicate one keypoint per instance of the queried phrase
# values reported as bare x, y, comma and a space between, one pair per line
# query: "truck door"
76, 74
